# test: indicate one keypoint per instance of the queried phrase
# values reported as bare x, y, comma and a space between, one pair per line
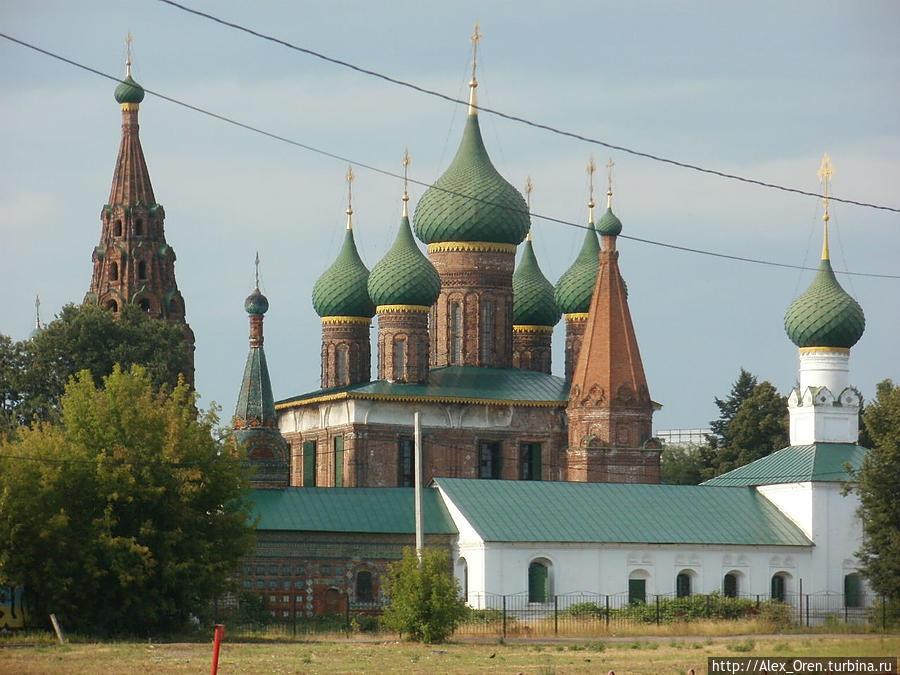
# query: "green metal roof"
129, 91
609, 224
819, 462
533, 303
341, 290
359, 509
825, 315
404, 276
456, 384
536, 511
256, 303
471, 201
576, 286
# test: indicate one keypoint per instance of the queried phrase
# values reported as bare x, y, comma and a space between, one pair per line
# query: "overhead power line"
521, 120
425, 184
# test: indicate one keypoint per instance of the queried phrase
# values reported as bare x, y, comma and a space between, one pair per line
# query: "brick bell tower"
534, 310
341, 298
404, 285
576, 286
609, 409
133, 264
472, 219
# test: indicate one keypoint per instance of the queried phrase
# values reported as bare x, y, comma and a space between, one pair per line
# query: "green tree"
87, 337
126, 516
425, 601
878, 487
681, 465
753, 424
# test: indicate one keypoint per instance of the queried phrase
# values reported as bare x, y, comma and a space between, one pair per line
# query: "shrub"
778, 614
424, 597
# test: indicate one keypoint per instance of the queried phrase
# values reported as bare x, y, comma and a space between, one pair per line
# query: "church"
537, 484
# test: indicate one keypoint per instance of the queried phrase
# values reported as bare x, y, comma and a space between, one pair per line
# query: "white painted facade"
824, 408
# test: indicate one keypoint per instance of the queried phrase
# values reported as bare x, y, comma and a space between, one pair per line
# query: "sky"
761, 89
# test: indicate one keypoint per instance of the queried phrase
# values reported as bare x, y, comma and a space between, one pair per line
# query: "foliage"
878, 487
34, 372
485, 616
753, 423
777, 614
127, 516
711, 606
681, 465
425, 601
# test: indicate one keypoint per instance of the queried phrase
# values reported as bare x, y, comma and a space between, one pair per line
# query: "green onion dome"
825, 315
533, 303
471, 201
256, 303
576, 286
341, 290
129, 91
609, 225
404, 276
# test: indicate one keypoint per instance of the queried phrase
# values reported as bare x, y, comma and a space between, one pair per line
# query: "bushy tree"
34, 372
425, 603
753, 423
681, 465
878, 486
126, 516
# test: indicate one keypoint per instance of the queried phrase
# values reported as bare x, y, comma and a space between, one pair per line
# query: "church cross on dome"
826, 171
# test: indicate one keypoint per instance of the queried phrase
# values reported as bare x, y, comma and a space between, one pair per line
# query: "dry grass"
654, 655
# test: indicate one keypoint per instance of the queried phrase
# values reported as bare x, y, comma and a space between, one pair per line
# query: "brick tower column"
346, 351
575, 323
532, 347
471, 322
403, 343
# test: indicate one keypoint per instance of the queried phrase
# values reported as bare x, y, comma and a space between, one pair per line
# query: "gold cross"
405, 182
349, 211
591, 168
529, 186
609, 166
128, 41
256, 262
826, 171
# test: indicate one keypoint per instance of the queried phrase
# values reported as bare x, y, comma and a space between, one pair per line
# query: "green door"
778, 588
538, 583
851, 591
309, 464
637, 591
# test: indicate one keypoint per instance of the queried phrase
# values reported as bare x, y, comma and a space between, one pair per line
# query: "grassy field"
622, 655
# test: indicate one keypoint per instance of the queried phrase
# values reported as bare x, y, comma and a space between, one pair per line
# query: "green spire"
533, 303
609, 225
471, 201
576, 286
129, 91
825, 315
404, 276
341, 290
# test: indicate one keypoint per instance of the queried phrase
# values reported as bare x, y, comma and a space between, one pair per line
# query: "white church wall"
794, 500
604, 569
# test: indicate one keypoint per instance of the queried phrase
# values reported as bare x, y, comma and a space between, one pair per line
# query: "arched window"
112, 305
139, 227
117, 228
114, 271
730, 585
852, 591
779, 587
142, 270
455, 333
399, 369
364, 587
341, 363
486, 339
539, 581
683, 585
145, 305
464, 573
637, 587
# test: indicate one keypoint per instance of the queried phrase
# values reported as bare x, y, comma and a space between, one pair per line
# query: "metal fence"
575, 614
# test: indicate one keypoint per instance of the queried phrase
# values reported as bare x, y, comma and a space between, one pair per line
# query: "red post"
217, 642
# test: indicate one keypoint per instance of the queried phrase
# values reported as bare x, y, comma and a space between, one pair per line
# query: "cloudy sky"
761, 89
